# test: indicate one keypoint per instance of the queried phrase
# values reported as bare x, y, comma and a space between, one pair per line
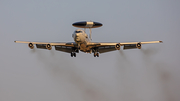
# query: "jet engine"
118, 46
48, 46
31, 45
138, 45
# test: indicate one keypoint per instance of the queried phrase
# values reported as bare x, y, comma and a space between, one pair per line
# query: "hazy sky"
149, 74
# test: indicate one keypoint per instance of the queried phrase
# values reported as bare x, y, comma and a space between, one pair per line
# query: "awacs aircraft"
83, 43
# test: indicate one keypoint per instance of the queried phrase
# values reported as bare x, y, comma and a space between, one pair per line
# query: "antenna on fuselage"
86, 24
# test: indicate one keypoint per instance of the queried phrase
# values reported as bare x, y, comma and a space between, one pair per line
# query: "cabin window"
78, 31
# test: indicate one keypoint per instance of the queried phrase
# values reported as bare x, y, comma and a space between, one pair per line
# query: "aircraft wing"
107, 47
59, 46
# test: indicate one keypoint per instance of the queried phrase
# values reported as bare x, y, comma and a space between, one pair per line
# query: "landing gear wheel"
96, 54
73, 54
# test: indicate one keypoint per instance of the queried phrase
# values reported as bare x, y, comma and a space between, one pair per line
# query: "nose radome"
77, 34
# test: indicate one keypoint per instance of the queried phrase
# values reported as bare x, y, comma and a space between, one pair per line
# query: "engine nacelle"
31, 45
48, 46
138, 45
118, 46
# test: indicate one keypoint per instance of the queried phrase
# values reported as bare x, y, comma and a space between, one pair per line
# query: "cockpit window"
78, 31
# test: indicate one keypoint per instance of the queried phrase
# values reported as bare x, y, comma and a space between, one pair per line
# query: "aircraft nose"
77, 34
77, 38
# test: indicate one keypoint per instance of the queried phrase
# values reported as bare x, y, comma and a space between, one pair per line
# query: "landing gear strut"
74, 51
96, 54
73, 54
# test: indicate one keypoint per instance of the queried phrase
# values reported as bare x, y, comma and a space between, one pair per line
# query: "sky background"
149, 74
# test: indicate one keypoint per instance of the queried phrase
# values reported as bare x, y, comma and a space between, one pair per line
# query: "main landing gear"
96, 54
74, 51
73, 54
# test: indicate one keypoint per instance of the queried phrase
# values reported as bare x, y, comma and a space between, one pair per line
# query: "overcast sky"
149, 74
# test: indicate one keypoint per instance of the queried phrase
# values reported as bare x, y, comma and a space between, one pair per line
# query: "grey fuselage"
81, 38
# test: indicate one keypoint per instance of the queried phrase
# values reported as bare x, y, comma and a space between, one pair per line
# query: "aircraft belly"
84, 48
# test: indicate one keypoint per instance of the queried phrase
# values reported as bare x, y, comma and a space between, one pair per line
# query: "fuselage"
81, 38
